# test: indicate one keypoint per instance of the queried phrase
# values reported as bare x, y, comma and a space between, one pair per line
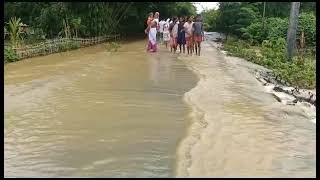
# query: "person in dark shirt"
173, 28
197, 34
181, 34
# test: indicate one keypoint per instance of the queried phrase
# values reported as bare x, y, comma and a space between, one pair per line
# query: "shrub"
307, 24
10, 55
254, 32
301, 71
277, 27
34, 35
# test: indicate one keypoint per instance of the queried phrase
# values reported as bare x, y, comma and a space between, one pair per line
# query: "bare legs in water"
182, 47
197, 48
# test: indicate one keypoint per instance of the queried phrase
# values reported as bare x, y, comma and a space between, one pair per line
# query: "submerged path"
92, 113
239, 128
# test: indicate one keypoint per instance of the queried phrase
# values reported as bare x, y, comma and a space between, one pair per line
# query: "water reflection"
160, 70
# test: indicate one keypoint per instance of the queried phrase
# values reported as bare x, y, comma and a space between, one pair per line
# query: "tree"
234, 16
227, 17
292, 29
210, 19
92, 18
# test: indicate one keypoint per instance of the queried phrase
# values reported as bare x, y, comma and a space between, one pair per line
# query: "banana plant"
76, 24
14, 31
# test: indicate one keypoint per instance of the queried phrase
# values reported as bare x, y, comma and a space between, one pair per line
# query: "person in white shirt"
153, 32
189, 34
166, 33
161, 24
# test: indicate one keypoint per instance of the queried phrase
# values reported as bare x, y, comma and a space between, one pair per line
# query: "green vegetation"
15, 31
50, 20
69, 45
301, 71
262, 40
89, 19
112, 46
10, 55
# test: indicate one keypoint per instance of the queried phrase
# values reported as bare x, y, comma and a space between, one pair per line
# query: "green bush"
10, 55
307, 24
277, 28
274, 28
254, 32
34, 35
301, 71
68, 46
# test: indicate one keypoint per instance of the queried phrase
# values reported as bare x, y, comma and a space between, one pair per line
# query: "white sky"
207, 5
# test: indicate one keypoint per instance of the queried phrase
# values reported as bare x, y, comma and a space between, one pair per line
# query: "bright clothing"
188, 28
189, 40
197, 38
166, 33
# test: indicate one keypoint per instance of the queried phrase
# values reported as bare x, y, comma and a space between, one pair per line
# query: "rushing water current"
93, 113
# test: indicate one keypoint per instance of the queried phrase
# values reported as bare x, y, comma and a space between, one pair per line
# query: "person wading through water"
149, 20
188, 32
153, 32
197, 34
173, 28
166, 33
181, 35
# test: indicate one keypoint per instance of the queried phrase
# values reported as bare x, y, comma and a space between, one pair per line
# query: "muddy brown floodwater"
92, 113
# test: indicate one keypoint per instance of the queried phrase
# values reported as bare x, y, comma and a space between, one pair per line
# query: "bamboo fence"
54, 45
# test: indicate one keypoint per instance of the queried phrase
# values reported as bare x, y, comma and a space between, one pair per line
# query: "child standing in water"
181, 35
166, 33
197, 34
188, 33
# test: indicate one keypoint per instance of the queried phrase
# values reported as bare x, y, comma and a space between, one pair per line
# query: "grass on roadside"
300, 71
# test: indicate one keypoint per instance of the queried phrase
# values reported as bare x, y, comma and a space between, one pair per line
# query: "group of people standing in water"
185, 32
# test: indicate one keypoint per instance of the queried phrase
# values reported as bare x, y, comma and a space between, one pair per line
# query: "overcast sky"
207, 5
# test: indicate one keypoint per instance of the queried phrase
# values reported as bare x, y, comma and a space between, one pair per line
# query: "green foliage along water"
48, 20
300, 71
10, 55
262, 40
87, 19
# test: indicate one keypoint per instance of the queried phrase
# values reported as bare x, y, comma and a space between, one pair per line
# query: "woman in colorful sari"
149, 21
153, 33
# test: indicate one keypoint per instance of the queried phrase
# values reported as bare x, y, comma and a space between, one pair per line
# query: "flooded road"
239, 129
92, 113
